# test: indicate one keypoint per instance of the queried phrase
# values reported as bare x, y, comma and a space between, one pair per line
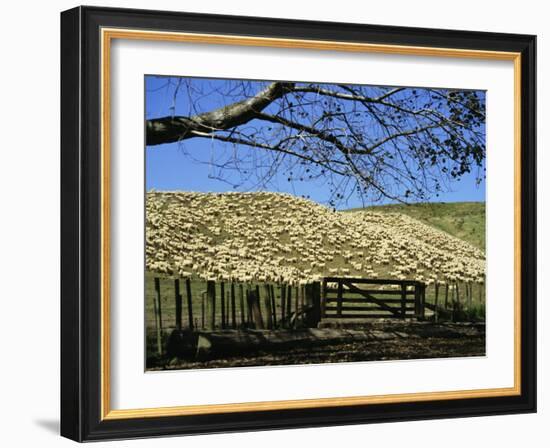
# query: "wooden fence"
208, 305
360, 298
232, 305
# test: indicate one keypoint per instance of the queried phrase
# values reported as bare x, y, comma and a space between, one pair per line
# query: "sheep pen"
242, 259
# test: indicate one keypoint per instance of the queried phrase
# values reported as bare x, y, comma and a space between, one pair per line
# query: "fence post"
303, 302
233, 312
403, 299
259, 297
249, 317
158, 315
283, 304
177, 298
422, 300
436, 300
189, 303
456, 308
297, 305
254, 307
340, 299
323, 298
313, 302
241, 303
211, 301
222, 304
288, 302
416, 299
203, 310
268, 309
227, 307
273, 305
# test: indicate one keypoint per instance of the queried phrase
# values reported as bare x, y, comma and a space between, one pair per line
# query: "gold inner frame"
107, 35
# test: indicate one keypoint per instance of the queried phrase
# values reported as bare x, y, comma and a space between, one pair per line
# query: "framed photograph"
273, 223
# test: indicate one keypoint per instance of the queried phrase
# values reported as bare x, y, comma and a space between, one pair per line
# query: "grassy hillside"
464, 220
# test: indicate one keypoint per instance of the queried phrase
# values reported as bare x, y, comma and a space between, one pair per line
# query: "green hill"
464, 220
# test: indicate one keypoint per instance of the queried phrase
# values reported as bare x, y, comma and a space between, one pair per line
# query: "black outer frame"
81, 220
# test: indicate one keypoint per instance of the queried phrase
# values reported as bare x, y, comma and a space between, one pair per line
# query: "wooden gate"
360, 298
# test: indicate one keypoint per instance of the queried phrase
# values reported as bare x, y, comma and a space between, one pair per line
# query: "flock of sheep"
280, 238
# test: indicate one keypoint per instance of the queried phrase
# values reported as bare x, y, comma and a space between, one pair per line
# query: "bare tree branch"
391, 142
172, 129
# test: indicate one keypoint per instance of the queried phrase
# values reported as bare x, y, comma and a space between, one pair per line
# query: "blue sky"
187, 166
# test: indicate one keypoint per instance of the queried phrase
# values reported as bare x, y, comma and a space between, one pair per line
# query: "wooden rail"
406, 298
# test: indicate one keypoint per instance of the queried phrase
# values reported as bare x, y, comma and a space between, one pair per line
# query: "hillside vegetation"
271, 237
465, 220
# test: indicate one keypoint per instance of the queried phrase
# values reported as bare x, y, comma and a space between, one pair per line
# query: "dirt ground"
418, 343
